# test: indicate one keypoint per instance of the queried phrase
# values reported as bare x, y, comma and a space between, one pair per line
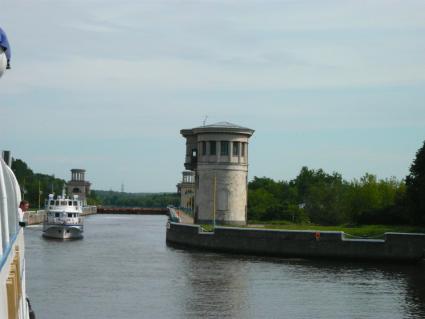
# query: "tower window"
224, 148
213, 148
235, 148
243, 149
204, 148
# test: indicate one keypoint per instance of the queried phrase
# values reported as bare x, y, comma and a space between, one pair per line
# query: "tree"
35, 187
323, 196
373, 201
259, 201
415, 188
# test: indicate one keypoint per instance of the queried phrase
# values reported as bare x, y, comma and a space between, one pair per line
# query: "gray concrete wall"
395, 246
230, 195
34, 217
89, 210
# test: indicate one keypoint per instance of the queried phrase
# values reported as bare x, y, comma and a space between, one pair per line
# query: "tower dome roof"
225, 127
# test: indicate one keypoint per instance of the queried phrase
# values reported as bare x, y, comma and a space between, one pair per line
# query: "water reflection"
234, 286
218, 286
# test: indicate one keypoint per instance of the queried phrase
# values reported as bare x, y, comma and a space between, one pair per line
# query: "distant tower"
78, 185
218, 154
187, 190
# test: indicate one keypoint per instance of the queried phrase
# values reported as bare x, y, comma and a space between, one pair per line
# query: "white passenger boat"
13, 299
63, 217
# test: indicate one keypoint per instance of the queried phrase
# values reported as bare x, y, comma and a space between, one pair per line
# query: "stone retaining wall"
89, 210
329, 244
34, 217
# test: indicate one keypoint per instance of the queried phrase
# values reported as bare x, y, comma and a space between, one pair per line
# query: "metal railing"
62, 221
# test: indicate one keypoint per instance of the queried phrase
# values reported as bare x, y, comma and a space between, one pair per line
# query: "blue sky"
107, 85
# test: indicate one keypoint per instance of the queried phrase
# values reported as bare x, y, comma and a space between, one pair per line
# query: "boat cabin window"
52, 202
75, 203
70, 215
56, 214
57, 203
70, 203
63, 202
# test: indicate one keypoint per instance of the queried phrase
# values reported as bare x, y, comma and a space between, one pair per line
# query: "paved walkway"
185, 218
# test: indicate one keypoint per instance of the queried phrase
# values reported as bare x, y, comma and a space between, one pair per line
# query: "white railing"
62, 221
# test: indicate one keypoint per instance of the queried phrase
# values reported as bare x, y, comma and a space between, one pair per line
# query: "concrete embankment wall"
34, 217
37, 217
395, 246
89, 210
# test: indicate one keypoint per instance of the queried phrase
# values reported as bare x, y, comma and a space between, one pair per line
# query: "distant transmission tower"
205, 120
122, 188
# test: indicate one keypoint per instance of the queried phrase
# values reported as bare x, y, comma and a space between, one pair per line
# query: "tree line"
315, 196
35, 187
150, 200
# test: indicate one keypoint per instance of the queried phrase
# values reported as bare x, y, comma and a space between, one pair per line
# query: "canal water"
124, 269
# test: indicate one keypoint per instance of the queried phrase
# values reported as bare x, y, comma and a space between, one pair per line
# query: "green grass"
360, 230
207, 227
365, 231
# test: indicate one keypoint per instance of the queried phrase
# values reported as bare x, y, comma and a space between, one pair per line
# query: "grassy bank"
358, 230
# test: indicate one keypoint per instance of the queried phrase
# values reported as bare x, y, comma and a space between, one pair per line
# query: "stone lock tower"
78, 185
218, 153
187, 190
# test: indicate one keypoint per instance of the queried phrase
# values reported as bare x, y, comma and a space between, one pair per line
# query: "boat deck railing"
61, 221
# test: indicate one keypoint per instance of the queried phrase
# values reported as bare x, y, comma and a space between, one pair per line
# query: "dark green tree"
121, 199
35, 187
323, 196
415, 188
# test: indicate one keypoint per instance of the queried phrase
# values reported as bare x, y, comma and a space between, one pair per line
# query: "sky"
108, 85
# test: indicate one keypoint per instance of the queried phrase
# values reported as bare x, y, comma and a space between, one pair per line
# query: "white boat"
63, 217
13, 299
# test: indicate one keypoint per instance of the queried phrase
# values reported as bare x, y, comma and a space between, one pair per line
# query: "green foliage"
259, 201
415, 188
321, 198
374, 201
322, 195
93, 199
35, 187
270, 200
149, 200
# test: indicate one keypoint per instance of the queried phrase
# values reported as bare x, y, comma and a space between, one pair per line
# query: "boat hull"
63, 231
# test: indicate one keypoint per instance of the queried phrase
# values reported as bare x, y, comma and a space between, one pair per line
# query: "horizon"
108, 86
